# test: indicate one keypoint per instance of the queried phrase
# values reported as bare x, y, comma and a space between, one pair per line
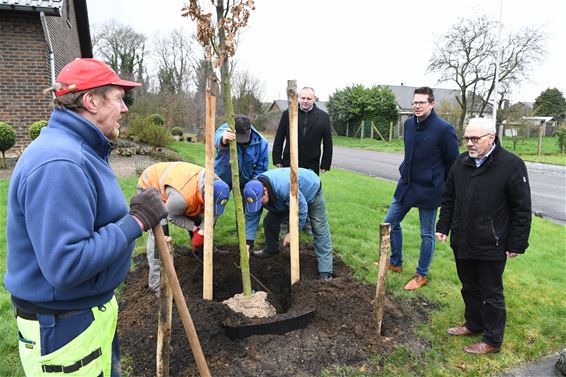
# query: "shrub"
155, 135
561, 138
156, 119
35, 128
136, 126
7, 141
177, 131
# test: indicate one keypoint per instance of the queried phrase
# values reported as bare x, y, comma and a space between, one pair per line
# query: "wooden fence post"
294, 172
384, 246
207, 270
165, 316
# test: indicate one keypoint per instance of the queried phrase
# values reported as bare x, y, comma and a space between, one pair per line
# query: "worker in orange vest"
181, 185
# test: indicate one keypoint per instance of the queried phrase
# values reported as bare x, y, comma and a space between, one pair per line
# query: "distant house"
37, 38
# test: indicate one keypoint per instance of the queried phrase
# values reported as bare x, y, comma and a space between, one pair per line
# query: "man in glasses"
431, 146
487, 206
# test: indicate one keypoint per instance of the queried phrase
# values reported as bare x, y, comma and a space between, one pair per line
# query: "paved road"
548, 182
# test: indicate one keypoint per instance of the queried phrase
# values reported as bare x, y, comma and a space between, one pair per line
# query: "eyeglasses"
419, 103
474, 139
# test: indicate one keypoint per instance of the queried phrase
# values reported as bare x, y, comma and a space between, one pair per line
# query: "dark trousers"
482, 291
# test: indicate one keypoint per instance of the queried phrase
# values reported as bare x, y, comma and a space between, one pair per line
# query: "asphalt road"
548, 182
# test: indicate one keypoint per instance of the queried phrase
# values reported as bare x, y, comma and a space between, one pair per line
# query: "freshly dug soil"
341, 333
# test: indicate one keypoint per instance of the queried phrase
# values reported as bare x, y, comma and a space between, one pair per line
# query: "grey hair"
487, 124
308, 88
73, 100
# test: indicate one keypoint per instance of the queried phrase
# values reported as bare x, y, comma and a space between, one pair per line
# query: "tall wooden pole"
385, 244
209, 190
294, 172
165, 316
180, 302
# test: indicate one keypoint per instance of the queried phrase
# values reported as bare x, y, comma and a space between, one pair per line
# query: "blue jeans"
320, 230
427, 217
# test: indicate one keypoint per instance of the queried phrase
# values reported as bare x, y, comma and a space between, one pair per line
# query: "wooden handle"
180, 302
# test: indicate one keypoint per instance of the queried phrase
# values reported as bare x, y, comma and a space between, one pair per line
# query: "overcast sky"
333, 44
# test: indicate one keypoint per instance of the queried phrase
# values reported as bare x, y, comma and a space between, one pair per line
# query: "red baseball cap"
83, 74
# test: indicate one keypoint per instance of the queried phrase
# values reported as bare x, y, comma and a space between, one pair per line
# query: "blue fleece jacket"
280, 193
253, 159
70, 237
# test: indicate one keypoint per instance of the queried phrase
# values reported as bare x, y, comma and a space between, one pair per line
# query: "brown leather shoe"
460, 331
415, 283
394, 268
481, 348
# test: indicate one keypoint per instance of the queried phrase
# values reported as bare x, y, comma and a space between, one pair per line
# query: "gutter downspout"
49, 47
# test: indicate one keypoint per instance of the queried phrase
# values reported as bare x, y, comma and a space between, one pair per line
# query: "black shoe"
325, 276
263, 254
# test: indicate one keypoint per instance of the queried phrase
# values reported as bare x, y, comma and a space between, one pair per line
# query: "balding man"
487, 206
314, 129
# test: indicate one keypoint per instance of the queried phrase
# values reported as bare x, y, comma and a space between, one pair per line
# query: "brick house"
38, 38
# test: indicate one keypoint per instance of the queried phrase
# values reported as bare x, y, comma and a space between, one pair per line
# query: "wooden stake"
180, 302
384, 236
294, 172
164, 321
390, 132
207, 270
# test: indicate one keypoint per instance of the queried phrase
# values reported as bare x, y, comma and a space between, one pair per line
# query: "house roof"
49, 7
404, 95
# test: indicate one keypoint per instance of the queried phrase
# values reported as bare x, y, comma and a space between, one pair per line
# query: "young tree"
219, 41
551, 103
466, 55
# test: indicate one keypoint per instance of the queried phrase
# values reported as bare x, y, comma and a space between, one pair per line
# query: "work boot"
325, 276
392, 267
262, 254
416, 282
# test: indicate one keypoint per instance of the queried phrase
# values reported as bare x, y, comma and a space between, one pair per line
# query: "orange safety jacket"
182, 176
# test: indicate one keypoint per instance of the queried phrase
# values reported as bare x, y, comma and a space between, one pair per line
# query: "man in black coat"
314, 128
487, 206
431, 146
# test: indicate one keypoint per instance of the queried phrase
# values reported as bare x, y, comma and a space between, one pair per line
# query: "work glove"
198, 239
147, 207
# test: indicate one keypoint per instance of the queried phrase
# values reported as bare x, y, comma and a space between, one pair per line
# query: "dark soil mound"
342, 332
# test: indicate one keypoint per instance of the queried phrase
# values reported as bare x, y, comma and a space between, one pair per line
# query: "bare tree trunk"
229, 108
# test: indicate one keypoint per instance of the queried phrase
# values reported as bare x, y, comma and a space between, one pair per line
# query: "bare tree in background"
248, 92
176, 58
466, 55
122, 48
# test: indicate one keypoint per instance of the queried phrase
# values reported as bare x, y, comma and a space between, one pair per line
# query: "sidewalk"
540, 368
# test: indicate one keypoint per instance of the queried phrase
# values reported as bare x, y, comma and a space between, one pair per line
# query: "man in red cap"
70, 232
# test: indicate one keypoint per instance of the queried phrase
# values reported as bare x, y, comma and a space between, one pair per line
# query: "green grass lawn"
526, 148
356, 205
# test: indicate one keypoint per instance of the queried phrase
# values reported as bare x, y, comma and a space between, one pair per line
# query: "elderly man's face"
306, 99
478, 141
109, 111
